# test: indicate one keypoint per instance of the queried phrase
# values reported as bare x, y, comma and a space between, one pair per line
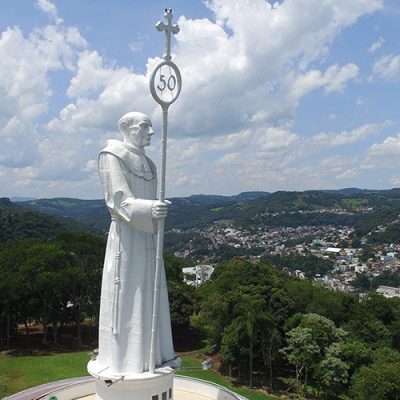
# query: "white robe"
129, 183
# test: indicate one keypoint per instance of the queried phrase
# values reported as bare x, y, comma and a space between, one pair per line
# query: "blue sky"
288, 95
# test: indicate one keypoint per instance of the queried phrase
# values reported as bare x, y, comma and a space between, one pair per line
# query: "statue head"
136, 128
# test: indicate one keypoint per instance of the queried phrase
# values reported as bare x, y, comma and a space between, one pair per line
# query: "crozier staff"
165, 87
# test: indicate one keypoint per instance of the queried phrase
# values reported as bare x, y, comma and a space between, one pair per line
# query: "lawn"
189, 362
21, 372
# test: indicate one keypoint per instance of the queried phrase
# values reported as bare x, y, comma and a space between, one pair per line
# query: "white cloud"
273, 139
376, 45
49, 8
233, 140
387, 67
92, 76
360, 101
383, 157
19, 143
395, 182
136, 46
348, 174
348, 137
26, 62
240, 77
390, 147
334, 79
230, 159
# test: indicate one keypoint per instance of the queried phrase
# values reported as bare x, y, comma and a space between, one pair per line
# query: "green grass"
354, 203
211, 376
22, 372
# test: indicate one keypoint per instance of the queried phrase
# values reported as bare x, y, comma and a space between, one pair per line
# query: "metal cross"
168, 28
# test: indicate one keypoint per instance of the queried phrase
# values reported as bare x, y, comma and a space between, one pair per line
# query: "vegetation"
23, 372
387, 278
252, 208
269, 331
57, 283
265, 323
310, 265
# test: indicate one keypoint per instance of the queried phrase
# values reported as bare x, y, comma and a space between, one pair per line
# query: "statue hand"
159, 210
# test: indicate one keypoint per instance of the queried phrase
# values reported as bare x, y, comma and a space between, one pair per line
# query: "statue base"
144, 386
84, 388
159, 387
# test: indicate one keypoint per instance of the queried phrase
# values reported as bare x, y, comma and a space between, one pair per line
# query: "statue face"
140, 132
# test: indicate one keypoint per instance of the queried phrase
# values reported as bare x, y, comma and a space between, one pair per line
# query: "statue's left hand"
159, 210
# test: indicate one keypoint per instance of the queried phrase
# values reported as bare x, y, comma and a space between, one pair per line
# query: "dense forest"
276, 331
56, 283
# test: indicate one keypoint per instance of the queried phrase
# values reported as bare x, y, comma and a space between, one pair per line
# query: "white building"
388, 291
195, 276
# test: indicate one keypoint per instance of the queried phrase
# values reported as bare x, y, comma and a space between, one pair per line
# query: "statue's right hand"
159, 210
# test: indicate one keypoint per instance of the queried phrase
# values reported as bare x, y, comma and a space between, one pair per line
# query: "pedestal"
144, 386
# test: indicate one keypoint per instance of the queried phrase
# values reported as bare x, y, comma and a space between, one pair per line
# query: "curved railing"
75, 388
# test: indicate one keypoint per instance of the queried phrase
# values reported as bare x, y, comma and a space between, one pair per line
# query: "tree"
314, 339
44, 269
83, 276
233, 346
219, 296
356, 354
323, 331
363, 325
368, 252
385, 355
380, 307
377, 382
300, 292
251, 317
301, 351
332, 371
270, 343
328, 304
181, 304
362, 282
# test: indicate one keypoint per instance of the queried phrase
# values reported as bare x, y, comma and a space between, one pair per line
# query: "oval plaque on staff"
165, 83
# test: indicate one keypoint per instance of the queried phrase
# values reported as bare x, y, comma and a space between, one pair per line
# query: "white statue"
129, 183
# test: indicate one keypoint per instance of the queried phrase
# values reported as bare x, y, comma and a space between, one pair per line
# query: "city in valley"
348, 257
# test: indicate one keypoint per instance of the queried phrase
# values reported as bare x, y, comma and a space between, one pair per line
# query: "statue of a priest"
129, 182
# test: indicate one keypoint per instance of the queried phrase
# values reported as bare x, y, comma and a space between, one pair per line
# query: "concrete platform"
185, 388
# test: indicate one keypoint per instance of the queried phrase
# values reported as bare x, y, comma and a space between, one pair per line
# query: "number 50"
170, 83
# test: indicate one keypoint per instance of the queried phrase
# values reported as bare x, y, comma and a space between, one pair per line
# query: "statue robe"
129, 183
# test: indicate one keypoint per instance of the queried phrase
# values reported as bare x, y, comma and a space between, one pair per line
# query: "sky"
279, 95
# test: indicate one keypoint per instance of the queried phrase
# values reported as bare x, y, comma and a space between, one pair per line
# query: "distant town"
326, 242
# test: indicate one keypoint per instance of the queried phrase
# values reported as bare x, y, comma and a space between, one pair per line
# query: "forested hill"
94, 215
353, 207
17, 222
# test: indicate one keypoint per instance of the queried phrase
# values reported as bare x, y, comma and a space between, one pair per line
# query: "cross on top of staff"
168, 28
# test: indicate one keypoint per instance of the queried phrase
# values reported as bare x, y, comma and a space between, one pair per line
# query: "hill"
362, 209
91, 214
17, 222
185, 211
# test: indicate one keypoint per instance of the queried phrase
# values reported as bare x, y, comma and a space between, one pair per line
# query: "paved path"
39, 391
